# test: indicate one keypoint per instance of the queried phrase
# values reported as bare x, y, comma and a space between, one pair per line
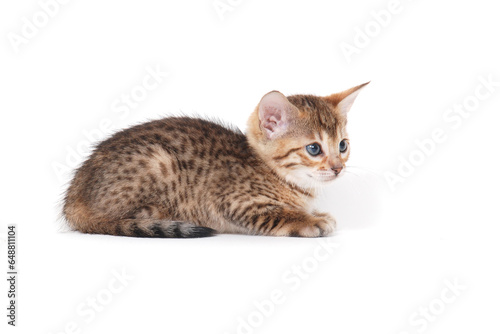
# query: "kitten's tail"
148, 228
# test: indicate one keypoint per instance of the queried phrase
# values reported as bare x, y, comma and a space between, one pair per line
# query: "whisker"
363, 178
366, 169
355, 186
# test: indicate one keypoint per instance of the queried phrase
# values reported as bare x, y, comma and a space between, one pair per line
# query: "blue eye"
343, 146
313, 149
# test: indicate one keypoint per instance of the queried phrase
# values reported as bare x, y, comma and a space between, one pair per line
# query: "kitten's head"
303, 137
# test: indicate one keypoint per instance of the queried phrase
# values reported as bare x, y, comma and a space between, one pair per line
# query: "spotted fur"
188, 177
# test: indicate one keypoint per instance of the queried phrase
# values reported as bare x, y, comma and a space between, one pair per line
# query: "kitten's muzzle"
325, 175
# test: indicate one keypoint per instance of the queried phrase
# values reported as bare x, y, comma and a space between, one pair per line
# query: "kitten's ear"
275, 114
344, 100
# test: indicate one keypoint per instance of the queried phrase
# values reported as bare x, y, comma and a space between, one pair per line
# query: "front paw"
321, 225
323, 215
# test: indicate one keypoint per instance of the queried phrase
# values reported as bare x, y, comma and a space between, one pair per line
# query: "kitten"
187, 177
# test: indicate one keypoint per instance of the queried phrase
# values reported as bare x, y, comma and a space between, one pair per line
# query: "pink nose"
337, 169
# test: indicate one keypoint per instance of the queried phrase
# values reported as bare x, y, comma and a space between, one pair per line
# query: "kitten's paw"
321, 225
325, 216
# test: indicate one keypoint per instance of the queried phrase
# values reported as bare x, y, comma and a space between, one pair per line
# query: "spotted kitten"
188, 177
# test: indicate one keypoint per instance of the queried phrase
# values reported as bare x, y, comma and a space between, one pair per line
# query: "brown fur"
187, 177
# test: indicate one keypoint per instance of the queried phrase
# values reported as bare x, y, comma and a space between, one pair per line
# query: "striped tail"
148, 228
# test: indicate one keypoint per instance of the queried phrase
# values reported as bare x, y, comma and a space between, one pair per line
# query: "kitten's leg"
150, 228
290, 222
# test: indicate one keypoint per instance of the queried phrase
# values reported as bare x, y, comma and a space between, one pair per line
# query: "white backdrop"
417, 243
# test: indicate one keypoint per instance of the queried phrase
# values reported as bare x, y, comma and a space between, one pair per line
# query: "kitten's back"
160, 170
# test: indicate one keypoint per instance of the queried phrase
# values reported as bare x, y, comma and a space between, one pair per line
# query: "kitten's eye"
343, 146
313, 149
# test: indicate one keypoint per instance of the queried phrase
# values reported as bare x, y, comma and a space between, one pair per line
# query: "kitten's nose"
337, 169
